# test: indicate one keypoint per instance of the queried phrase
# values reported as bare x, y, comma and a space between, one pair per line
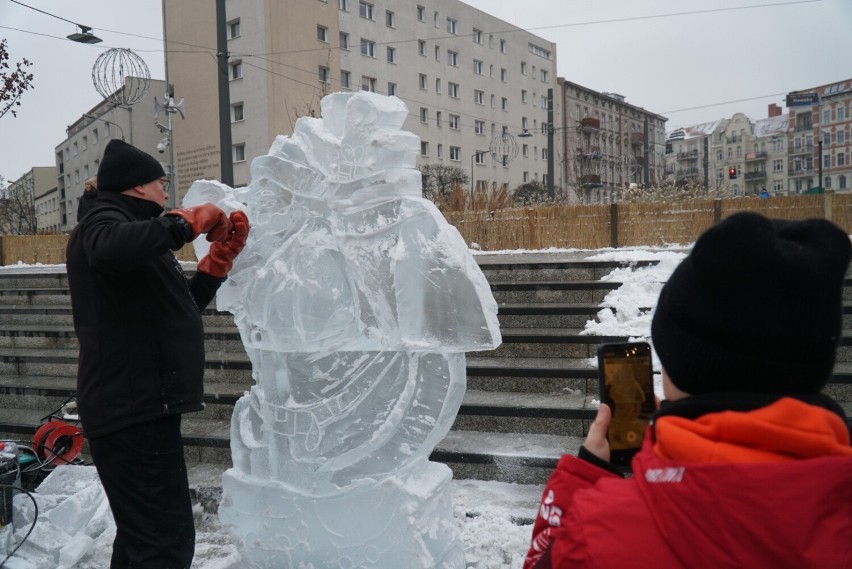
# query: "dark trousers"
143, 473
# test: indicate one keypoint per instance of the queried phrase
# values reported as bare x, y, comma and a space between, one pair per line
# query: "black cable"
32, 526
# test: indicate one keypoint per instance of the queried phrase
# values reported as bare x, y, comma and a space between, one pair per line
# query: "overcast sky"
664, 55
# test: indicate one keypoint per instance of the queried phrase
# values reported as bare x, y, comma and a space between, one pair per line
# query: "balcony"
593, 153
803, 149
637, 138
691, 155
754, 156
591, 181
749, 176
688, 173
801, 172
590, 124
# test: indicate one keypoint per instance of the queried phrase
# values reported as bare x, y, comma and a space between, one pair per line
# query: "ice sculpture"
355, 301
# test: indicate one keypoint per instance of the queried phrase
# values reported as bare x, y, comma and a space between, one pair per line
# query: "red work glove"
205, 218
220, 259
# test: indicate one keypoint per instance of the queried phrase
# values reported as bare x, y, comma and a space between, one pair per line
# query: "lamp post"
94, 118
472, 177
170, 108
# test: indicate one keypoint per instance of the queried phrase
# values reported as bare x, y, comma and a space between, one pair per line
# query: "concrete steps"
528, 401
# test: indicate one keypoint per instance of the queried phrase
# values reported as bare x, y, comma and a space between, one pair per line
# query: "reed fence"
563, 226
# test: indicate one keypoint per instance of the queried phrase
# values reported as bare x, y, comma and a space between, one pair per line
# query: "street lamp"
476, 153
167, 143
94, 118
85, 35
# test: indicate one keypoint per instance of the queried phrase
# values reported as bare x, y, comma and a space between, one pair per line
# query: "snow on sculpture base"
411, 522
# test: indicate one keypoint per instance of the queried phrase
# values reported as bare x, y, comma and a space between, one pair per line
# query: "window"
841, 158
493, 101
236, 70
390, 19
343, 5
477, 67
440, 151
455, 153
322, 34
502, 46
841, 113
421, 14
323, 74
826, 116
544, 101
368, 48
239, 153
477, 36
85, 143
777, 165
478, 97
75, 149
544, 153
826, 138
424, 115
368, 83
504, 103
539, 51
438, 86
423, 81
437, 20
424, 148
504, 76
841, 182
437, 53
391, 55
452, 58
421, 47
479, 127
545, 77
525, 150
841, 137
438, 118
526, 176
344, 40
94, 136
524, 125
345, 79
826, 161
777, 146
234, 29
523, 95
392, 89
453, 90
455, 122
365, 10
237, 112
523, 68
451, 26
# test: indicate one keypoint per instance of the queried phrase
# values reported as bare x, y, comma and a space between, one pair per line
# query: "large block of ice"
356, 302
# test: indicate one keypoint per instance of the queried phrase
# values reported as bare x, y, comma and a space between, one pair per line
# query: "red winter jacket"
768, 488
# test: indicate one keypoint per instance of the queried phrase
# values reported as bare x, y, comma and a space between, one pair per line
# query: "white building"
466, 77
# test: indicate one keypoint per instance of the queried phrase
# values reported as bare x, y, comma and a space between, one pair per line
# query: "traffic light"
732, 173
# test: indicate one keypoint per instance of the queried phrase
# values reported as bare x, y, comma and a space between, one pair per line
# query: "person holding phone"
747, 463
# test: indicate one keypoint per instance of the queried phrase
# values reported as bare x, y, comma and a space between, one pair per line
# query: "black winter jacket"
137, 317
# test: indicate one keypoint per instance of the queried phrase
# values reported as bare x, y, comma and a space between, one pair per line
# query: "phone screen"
627, 386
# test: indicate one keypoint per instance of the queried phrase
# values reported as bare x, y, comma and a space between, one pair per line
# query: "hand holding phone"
627, 387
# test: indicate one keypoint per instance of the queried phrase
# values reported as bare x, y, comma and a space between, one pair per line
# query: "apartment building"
34, 207
609, 144
734, 155
472, 82
819, 131
79, 155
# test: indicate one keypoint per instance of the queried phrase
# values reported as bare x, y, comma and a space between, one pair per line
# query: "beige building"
79, 155
467, 78
609, 144
32, 203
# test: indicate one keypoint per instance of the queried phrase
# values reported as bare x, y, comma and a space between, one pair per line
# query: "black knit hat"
755, 307
124, 166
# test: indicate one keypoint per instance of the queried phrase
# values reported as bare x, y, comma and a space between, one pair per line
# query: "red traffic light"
732, 173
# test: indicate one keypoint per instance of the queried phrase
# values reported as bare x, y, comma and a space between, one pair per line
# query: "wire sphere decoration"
121, 77
504, 148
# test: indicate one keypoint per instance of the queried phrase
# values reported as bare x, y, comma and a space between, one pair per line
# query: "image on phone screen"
627, 386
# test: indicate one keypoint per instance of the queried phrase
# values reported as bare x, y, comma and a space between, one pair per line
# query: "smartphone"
626, 379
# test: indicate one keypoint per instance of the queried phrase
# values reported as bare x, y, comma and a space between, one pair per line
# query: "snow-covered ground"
493, 516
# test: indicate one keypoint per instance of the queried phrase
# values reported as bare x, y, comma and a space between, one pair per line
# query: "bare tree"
17, 210
438, 180
12, 83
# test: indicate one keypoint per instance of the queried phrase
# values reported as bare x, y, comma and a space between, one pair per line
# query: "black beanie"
756, 307
124, 166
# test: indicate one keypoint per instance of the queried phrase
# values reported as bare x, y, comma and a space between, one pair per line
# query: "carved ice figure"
355, 301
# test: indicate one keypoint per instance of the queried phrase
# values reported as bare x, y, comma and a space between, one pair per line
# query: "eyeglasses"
165, 183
